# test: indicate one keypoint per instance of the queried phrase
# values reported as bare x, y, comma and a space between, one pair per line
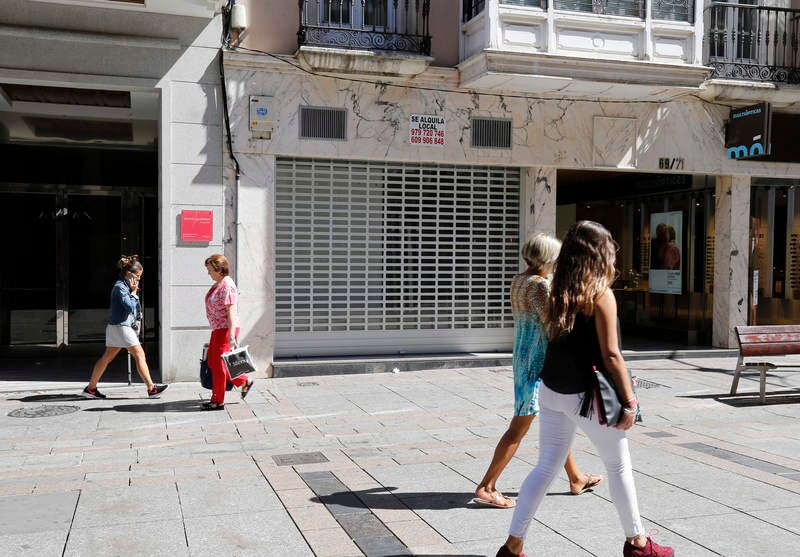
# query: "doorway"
63, 242
66, 241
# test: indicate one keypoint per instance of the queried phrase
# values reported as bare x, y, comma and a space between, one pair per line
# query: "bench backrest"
768, 340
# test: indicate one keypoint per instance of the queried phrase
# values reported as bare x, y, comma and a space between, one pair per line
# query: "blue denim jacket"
125, 308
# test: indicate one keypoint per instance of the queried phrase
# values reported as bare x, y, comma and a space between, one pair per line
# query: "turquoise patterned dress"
528, 302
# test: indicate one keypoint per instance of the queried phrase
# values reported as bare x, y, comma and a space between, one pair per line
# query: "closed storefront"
387, 258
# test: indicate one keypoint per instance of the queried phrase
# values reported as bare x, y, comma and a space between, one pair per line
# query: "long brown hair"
584, 270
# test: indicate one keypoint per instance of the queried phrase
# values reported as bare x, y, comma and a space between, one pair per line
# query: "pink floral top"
219, 297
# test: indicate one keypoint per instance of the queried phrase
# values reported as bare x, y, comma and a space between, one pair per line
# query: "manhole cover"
299, 458
43, 411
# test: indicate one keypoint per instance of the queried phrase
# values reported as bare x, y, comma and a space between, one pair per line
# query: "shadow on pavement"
378, 498
50, 398
175, 406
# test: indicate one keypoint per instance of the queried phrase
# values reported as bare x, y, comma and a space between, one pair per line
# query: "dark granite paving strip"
659, 434
744, 460
366, 530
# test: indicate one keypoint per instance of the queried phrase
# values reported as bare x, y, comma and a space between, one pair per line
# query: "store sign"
425, 129
666, 252
197, 226
749, 132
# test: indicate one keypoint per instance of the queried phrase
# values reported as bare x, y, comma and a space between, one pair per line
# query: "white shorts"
121, 336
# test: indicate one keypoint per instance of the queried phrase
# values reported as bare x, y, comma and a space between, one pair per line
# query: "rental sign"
749, 132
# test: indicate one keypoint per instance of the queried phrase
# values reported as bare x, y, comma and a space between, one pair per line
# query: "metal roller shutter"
387, 258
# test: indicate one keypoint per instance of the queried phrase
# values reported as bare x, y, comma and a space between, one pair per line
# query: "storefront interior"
775, 229
665, 285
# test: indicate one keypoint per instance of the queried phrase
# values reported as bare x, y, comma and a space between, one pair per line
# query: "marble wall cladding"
539, 200
614, 141
732, 232
559, 132
252, 244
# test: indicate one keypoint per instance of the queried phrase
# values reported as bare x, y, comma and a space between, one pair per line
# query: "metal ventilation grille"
489, 132
323, 123
375, 257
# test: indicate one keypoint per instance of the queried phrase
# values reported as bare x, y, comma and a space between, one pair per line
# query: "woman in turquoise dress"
529, 293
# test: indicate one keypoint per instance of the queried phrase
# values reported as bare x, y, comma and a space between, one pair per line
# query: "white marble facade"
731, 252
547, 135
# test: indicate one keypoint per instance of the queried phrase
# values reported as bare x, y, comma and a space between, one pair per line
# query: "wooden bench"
764, 340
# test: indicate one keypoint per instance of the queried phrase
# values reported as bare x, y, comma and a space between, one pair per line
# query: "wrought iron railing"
471, 8
755, 43
673, 10
397, 25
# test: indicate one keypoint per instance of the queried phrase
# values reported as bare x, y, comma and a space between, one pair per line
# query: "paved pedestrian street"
384, 464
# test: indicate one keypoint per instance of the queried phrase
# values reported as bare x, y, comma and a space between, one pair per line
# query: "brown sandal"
246, 388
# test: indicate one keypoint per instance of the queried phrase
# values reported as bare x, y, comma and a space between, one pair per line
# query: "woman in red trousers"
224, 321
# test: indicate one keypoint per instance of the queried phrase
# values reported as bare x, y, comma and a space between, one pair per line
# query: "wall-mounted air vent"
323, 123
491, 132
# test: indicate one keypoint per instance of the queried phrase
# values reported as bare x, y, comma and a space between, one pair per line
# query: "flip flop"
510, 503
591, 482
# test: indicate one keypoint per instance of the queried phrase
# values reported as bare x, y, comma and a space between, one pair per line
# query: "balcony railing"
754, 43
671, 10
394, 25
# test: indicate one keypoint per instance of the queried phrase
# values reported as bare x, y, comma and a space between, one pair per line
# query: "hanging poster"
666, 252
426, 129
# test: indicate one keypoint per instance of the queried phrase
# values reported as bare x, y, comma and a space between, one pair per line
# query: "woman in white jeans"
583, 332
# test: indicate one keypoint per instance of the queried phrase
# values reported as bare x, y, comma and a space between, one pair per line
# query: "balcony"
753, 43
626, 49
677, 10
386, 25
389, 38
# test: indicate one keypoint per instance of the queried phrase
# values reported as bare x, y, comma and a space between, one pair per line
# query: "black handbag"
604, 399
205, 372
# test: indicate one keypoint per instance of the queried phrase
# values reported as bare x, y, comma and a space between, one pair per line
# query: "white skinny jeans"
557, 422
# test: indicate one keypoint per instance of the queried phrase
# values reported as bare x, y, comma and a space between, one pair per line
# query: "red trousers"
219, 372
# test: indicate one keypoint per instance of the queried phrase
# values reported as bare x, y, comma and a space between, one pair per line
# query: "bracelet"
630, 411
633, 401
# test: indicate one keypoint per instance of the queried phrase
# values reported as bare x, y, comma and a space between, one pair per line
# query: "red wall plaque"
197, 226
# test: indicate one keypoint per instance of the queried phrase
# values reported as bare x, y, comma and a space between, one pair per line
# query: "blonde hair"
584, 270
219, 263
540, 250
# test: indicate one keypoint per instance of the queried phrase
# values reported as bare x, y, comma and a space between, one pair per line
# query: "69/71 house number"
666, 163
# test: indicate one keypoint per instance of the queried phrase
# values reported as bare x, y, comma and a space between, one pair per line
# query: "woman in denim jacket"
124, 319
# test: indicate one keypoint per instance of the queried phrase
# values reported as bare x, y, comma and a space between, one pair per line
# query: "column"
252, 246
732, 230
538, 200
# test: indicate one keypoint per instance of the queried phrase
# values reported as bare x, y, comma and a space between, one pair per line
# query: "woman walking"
583, 333
529, 293
223, 317
124, 320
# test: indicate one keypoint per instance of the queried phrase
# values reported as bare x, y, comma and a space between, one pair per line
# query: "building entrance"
56, 292
62, 243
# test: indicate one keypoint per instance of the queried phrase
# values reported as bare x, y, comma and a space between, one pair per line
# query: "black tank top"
568, 364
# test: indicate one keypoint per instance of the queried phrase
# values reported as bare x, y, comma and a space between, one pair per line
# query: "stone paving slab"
162, 538
129, 476
250, 533
26, 514
124, 505
36, 545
